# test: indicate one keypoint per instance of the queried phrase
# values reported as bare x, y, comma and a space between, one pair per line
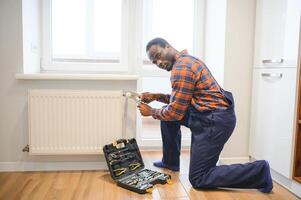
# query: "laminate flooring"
98, 185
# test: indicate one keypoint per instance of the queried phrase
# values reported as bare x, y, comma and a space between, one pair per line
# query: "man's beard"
170, 65
167, 66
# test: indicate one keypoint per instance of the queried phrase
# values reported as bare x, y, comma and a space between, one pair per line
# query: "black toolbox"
127, 168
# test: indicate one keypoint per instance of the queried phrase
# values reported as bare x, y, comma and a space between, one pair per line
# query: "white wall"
13, 93
31, 35
239, 46
229, 39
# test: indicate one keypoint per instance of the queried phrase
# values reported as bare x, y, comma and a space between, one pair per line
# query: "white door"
277, 33
272, 117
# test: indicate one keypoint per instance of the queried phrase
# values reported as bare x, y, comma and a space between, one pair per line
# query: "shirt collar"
181, 53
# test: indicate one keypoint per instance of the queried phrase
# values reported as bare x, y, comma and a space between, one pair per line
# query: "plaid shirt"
192, 83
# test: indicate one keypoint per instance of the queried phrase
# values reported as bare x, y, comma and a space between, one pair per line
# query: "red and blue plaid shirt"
192, 84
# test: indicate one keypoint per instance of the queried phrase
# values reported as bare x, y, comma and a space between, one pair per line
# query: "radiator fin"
73, 122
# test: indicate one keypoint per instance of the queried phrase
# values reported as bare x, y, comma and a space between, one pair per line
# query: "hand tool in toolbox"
127, 168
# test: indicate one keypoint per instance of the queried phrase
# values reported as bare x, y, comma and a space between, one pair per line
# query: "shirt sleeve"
164, 98
183, 83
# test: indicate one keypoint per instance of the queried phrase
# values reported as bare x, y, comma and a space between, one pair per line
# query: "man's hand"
148, 97
145, 109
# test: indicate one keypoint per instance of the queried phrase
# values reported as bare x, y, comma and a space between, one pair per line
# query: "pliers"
134, 166
119, 171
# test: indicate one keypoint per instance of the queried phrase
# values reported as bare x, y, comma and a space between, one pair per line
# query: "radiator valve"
133, 95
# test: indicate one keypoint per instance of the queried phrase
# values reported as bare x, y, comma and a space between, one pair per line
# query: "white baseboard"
51, 166
289, 184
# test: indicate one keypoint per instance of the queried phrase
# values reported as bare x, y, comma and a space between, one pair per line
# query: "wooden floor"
98, 185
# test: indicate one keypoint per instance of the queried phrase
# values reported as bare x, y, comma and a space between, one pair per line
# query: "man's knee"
198, 181
192, 181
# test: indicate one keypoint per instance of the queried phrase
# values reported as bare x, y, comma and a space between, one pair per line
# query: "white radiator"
73, 122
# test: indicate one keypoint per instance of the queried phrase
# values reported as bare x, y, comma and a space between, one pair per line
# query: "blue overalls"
210, 130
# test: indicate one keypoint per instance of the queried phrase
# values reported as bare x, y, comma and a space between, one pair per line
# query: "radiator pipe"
26, 148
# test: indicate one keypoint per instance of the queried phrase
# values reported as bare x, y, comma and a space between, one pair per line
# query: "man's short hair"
156, 41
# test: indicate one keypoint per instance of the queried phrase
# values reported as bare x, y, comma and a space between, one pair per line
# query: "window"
85, 34
160, 18
102, 35
176, 20
79, 33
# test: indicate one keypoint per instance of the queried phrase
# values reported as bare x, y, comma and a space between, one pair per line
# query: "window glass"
107, 26
83, 29
68, 28
170, 19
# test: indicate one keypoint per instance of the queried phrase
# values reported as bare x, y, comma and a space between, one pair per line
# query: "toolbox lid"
123, 158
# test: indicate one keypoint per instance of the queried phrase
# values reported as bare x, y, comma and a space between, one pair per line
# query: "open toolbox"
127, 168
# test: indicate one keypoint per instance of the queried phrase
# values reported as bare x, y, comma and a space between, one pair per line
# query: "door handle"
272, 75
269, 61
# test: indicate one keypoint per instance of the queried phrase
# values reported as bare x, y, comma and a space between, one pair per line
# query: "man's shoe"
160, 164
269, 186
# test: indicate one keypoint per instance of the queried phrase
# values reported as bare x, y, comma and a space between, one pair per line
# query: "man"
199, 103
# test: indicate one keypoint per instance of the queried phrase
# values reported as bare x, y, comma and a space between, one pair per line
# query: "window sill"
49, 76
